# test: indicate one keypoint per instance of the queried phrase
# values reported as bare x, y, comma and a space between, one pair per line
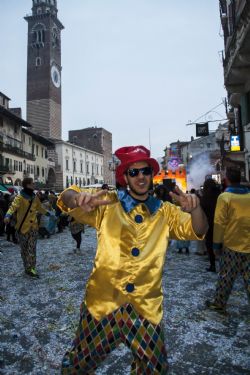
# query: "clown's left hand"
187, 202
191, 203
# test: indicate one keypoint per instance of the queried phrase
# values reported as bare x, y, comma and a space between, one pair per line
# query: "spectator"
208, 200
26, 205
231, 238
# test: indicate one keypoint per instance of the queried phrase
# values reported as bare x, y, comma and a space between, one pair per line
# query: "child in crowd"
76, 230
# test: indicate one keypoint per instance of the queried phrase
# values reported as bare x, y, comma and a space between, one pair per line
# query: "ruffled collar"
128, 202
27, 196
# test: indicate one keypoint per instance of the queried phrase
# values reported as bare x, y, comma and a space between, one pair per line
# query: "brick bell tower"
44, 69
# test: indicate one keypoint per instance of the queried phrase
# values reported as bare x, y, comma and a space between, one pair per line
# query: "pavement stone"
38, 317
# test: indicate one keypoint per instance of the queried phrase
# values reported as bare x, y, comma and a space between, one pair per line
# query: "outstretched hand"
187, 202
88, 202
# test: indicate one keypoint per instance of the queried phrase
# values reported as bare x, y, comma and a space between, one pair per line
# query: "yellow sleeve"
14, 206
180, 224
220, 219
92, 218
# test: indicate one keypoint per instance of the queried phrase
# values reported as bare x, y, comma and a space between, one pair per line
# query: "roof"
7, 113
38, 138
2, 94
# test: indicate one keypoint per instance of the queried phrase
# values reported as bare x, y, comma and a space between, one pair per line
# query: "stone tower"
44, 69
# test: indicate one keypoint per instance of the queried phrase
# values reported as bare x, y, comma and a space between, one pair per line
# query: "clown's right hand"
86, 201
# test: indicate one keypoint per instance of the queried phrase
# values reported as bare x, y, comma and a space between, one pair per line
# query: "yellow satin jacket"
20, 206
132, 244
232, 221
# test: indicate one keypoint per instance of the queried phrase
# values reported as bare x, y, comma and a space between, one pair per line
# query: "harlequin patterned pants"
231, 264
95, 339
27, 243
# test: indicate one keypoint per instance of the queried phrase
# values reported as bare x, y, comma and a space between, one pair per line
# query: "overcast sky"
128, 66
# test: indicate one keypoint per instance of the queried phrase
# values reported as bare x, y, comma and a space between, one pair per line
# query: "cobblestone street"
38, 317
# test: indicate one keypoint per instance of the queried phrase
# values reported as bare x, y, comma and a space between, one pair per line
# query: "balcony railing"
6, 169
16, 151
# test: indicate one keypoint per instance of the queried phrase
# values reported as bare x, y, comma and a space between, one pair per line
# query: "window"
37, 171
42, 172
87, 168
15, 165
38, 33
20, 166
71, 180
74, 166
36, 150
38, 61
55, 37
29, 141
67, 165
81, 167
42, 152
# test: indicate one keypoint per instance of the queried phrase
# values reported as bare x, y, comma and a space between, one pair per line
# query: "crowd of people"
135, 224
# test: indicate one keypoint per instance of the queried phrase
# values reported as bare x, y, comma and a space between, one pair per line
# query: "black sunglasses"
133, 172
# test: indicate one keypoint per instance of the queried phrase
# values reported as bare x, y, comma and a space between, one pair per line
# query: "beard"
139, 193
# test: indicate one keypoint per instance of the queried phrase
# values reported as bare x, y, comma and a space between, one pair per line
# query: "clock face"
55, 76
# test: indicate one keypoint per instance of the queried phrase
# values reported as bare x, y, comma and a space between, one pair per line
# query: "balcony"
6, 169
237, 51
16, 151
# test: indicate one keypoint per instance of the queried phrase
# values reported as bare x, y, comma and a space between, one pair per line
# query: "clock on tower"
44, 69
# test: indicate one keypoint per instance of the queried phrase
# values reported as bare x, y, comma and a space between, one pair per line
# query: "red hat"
129, 155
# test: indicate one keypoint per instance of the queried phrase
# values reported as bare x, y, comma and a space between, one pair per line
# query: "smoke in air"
199, 168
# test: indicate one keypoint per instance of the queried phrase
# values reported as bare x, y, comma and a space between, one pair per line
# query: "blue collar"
237, 189
26, 196
128, 202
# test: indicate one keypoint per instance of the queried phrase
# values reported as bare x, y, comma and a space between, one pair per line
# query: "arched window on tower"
55, 37
38, 38
38, 61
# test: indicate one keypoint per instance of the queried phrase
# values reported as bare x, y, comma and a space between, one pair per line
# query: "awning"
4, 190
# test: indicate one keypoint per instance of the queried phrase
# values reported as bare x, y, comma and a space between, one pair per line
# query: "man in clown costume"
123, 301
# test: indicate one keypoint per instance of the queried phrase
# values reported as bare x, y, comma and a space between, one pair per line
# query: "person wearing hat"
123, 301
